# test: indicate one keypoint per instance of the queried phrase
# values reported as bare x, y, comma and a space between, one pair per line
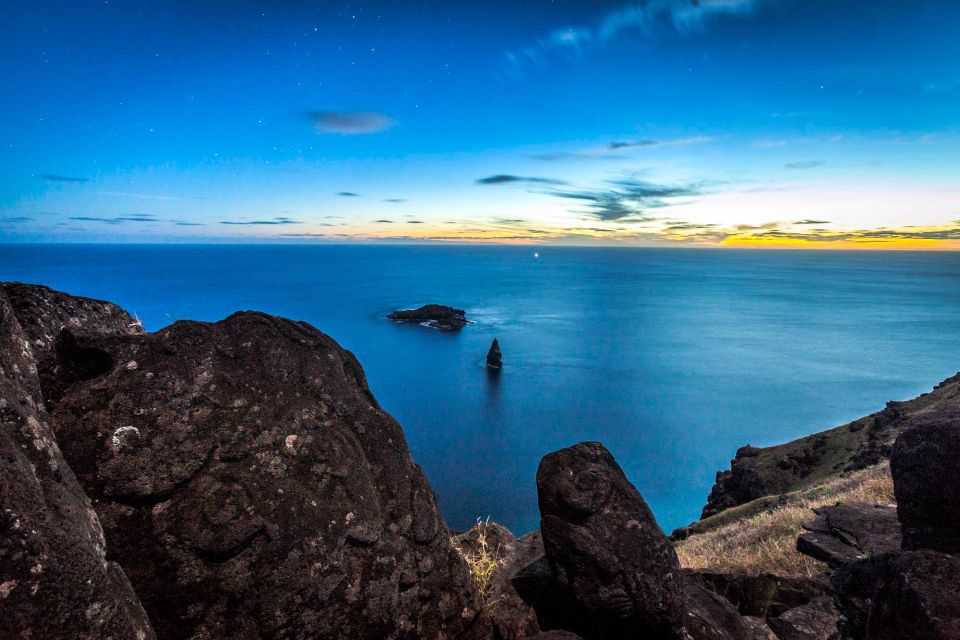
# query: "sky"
743, 123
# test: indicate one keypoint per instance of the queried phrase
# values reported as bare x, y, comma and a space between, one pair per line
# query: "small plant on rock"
481, 558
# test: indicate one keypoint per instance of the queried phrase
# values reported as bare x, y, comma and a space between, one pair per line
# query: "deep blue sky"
644, 122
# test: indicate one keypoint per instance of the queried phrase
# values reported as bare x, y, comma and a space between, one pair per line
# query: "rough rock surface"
757, 472
55, 579
554, 607
711, 617
921, 601
816, 620
847, 532
494, 357
511, 617
707, 615
251, 487
856, 585
436, 316
758, 629
761, 596
605, 549
926, 475
895, 596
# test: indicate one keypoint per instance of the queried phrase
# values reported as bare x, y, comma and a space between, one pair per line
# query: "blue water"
672, 358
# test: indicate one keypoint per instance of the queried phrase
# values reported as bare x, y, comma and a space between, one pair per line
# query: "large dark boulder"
55, 578
251, 487
926, 476
921, 601
850, 531
914, 595
606, 550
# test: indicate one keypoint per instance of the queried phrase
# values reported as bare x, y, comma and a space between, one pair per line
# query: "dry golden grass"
765, 542
481, 558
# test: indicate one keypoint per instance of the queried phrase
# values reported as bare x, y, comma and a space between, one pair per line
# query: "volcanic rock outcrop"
435, 316
55, 578
246, 480
252, 487
608, 571
605, 548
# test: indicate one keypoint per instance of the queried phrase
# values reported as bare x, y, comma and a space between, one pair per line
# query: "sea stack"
494, 357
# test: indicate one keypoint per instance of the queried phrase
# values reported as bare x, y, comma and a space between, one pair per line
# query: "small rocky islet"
434, 316
177, 484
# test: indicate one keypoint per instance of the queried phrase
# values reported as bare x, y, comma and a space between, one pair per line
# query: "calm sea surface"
671, 358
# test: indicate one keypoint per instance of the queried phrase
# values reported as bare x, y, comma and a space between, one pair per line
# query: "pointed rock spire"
494, 357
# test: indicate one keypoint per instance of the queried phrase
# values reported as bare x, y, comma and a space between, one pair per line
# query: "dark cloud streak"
272, 221
350, 122
56, 177
510, 179
629, 200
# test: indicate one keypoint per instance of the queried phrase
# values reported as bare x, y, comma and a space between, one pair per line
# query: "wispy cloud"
350, 122
15, 219
56, 177
810, 222
629, 200
808, 164
271, 221
348, 194
394, 200
384, 221
508, 179
131, 217
630, 144
638, 19
618, 149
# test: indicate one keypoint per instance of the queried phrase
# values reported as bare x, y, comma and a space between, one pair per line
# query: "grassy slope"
821, 457
761, 536
759, 507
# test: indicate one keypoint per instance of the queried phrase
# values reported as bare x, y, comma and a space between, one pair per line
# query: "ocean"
673, 358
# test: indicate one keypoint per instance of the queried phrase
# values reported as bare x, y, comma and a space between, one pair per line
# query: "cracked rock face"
251, 486
55, 579
850, 531
605, 549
